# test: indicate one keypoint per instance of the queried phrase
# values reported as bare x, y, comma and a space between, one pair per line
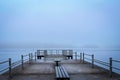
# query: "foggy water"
100, 54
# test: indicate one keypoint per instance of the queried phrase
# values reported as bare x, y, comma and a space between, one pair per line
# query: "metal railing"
112, 67
12, 65
26, 58
7, 68
93, 60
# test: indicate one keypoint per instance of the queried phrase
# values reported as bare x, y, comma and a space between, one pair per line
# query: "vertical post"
80, 57
22, 61
29, 57
35, 56
83, 57
75, 55
110, 68
56, 51
10, 68
92, 61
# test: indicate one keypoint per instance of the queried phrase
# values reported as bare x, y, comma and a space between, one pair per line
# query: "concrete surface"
41, 70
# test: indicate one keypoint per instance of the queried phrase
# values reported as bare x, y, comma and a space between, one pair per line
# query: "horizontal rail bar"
116, 61
4, 69
16, 63
87, 54
102, 63
116, 68
88, 58
25, 60
4, 62
25, 55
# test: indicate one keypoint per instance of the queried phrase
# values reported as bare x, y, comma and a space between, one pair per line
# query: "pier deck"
44, 70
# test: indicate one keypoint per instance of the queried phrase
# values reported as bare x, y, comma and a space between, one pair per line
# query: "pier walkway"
45, 70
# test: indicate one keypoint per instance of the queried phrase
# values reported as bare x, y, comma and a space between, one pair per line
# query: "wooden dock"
40, 70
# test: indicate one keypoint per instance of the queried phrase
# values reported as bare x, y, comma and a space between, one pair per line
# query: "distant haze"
60, 23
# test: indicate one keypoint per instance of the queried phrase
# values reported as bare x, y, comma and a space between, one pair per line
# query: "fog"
60, 23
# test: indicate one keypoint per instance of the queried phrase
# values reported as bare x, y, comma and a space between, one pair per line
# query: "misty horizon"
60, 23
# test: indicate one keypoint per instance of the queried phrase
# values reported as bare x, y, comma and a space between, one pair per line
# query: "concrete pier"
44, 70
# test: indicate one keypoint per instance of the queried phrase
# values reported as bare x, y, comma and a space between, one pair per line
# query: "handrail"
26, 55
4, 62
102, 62
26, 60
116, 68
87, 54
88, 58
16, 63
8, 68
92, 58
30, 57
4, 69
12, 65
116, 61
108, 64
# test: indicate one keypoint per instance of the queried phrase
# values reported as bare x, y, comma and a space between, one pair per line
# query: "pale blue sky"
77, 23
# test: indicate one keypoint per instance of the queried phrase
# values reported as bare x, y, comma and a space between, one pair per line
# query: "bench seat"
61, 73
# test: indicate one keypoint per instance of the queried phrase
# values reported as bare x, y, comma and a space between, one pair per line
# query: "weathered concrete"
45, 71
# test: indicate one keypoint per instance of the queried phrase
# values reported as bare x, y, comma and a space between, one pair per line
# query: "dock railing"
8, 68
11, 65
113, 67
26, 58
92, 60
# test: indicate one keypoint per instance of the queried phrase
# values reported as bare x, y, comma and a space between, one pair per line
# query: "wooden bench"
61, 73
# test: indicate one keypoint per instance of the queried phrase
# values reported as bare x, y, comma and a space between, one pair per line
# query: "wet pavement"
44, 70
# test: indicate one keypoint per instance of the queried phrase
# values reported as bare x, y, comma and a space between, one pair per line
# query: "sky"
60, 23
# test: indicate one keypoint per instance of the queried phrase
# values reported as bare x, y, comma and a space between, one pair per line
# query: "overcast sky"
73, 23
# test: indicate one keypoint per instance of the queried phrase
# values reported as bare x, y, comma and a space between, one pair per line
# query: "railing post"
10, 68
35, 56
22, 61
83, 57
92, 60
80, 57
110, 68
75, 55
29, 57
